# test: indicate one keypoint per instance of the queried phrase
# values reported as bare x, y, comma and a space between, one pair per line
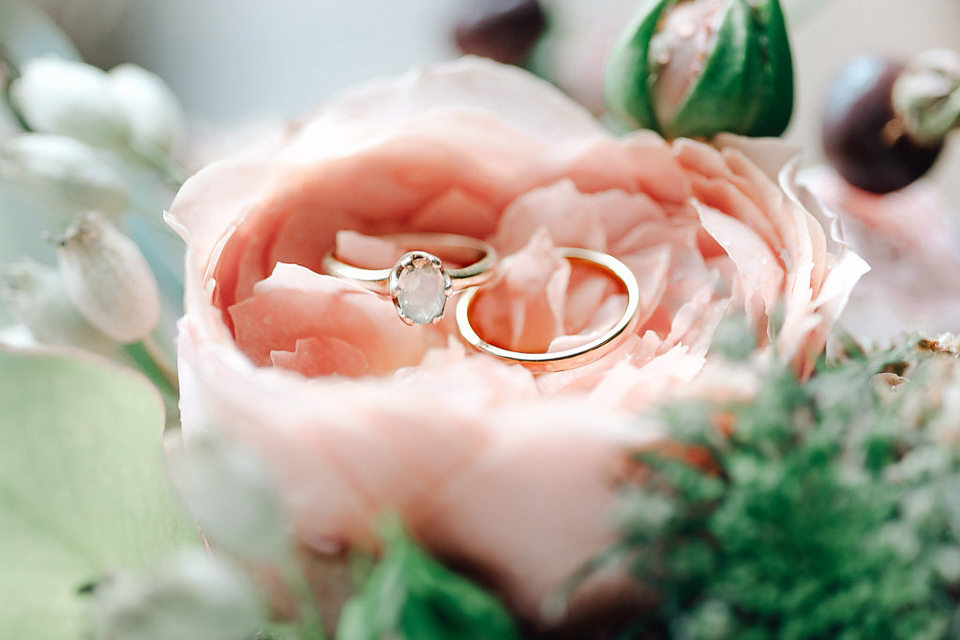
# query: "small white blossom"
127, 107
69, 174
70, 98
194, 597
108, 279
35, 295
151, 108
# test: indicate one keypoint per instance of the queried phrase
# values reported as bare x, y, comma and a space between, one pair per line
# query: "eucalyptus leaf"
83, 491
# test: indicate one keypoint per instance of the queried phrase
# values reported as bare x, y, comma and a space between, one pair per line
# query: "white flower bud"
151, 108
70, 98
35, 295
231, 494
108, 279
68, 174
194, 597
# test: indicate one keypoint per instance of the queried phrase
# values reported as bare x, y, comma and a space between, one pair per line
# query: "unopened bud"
69, 174
69, 98
35, 295
234, 499
926, 96
702, 67
151, 108
196, 596
108, 279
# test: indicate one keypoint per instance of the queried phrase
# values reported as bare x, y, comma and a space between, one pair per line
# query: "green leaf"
411, 596
82, 486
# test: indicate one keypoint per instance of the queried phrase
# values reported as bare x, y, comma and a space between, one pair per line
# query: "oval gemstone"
420, 292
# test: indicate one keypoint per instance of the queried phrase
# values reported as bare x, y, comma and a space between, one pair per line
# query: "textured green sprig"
828, 508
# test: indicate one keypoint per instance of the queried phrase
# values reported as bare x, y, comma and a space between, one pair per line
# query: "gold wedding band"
419, 283
543, 362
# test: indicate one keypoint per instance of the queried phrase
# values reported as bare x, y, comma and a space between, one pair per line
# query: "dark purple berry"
504, 30
861, 136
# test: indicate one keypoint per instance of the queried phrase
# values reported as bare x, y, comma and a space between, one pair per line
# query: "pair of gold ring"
419, 285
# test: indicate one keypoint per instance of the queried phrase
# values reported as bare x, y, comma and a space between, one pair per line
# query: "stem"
311, 622
164, 366
161, 162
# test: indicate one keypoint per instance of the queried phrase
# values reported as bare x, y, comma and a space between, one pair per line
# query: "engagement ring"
419, 283
577, 356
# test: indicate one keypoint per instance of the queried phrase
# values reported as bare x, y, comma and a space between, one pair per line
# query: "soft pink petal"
295, 304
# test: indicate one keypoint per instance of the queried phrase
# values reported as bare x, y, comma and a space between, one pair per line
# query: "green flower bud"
68, 174
702, 67
108, 279
69, 98
35, 296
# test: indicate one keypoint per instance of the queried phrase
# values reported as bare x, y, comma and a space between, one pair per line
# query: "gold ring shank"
483, 256
544, 362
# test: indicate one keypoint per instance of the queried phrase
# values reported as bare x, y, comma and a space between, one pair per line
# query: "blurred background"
236, 63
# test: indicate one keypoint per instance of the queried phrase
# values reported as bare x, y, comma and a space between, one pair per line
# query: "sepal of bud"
67, 173
69, 98
108, 279
151, 108
35, 295
926, 96
702, 67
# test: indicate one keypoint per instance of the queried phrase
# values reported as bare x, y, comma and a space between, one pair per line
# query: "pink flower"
910, 240
491, 467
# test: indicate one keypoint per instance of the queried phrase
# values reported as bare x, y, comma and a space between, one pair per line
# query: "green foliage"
411, 596
829, 511
82, 487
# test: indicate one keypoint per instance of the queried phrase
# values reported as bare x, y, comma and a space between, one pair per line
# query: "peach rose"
491, 467
909, 238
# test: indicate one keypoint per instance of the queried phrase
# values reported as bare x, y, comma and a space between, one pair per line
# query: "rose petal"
295, 304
